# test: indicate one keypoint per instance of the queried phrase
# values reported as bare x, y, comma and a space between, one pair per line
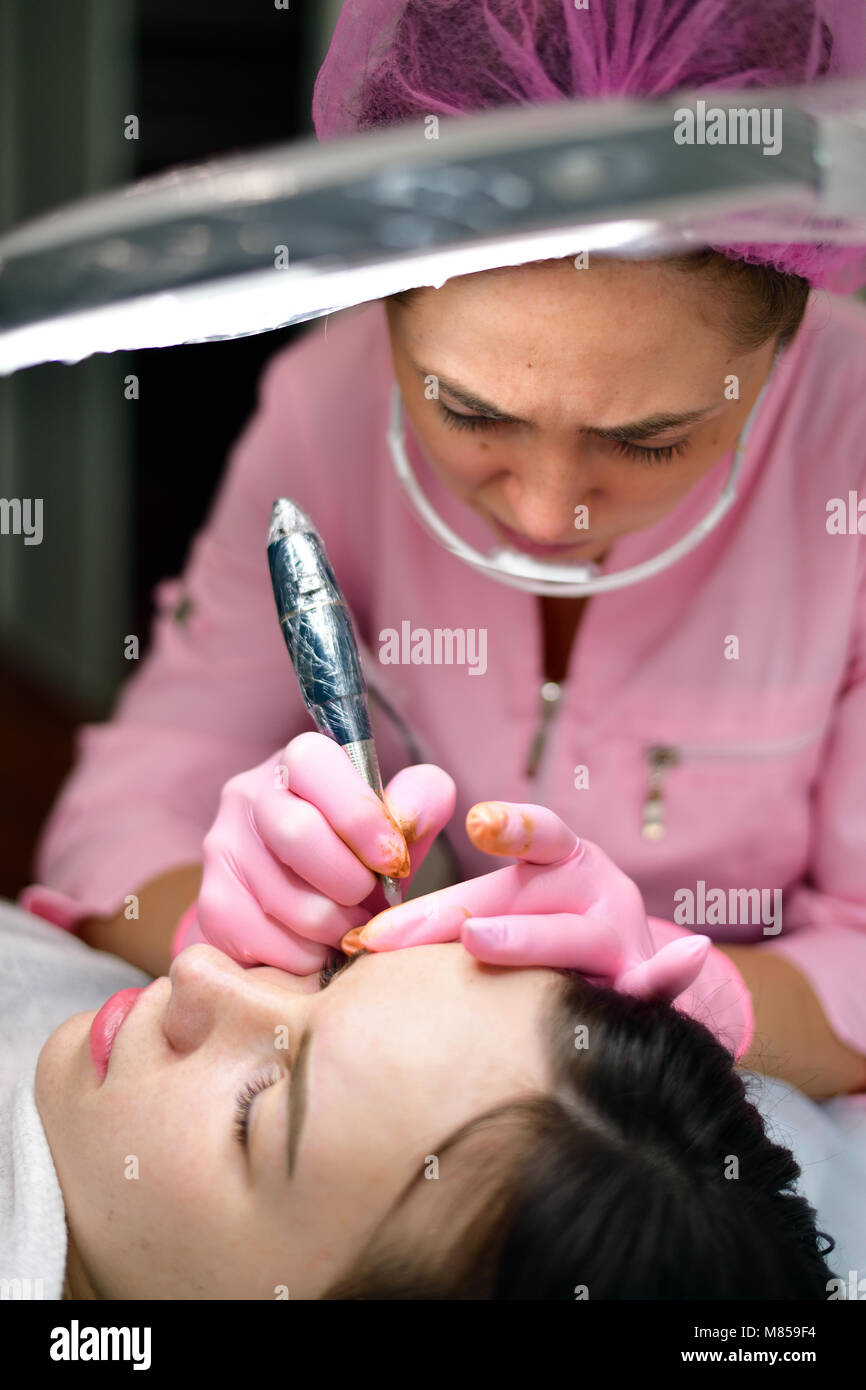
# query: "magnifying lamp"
245, 244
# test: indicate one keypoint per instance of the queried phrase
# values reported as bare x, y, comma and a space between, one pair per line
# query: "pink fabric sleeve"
214, 695
824, 918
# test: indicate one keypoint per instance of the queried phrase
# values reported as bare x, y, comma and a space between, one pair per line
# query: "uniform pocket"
752, 760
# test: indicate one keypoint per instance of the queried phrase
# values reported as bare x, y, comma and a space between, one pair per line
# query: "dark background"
199, 397
211, 77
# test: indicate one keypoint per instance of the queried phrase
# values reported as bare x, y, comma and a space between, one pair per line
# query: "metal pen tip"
288, 519
393, 890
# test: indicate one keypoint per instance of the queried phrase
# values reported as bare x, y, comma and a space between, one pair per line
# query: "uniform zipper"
660, 757
551, 698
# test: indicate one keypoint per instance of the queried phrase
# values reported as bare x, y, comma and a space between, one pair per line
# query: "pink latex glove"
566, 904
293, 852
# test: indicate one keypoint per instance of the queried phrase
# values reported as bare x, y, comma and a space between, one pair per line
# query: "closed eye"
244, 1100
643, 454
337, 964
663, 454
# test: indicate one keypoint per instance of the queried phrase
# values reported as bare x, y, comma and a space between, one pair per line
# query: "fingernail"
393, 856
409, 825
352, 942
496, 827
492, 814
486, 823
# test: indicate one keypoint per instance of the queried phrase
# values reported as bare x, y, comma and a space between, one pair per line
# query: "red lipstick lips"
105, 1026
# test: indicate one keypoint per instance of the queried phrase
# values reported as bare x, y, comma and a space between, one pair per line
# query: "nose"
209, 990
545, 489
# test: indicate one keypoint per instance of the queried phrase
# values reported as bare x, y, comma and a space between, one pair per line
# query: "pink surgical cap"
392, 61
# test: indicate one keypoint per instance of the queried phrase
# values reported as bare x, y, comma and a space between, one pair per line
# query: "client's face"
163, 1200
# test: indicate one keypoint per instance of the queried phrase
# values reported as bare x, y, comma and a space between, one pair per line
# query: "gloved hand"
291, 858
566, 904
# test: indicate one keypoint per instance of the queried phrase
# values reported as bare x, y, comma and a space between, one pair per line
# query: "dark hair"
758, 302
617, 1181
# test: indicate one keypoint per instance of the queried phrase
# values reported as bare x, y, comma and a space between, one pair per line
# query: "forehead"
627, 325
398, 1019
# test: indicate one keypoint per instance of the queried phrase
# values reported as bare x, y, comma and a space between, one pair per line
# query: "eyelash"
251, 1089
663, 454
244, 1100
328, 971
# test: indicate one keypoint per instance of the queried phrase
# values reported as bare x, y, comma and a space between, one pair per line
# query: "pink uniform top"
746, 661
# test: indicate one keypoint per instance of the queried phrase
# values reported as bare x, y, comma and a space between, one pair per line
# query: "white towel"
46, 975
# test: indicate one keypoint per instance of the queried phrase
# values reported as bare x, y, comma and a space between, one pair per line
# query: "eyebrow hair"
636, 429
298, 1087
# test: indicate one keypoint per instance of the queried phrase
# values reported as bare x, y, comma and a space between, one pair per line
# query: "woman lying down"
414, 1124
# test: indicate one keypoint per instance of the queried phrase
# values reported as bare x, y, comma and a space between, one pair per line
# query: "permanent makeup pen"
318, 632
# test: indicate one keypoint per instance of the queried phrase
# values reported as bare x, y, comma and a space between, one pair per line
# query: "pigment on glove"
566, 905
291, 858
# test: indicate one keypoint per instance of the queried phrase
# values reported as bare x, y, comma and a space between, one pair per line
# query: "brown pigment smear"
486, 825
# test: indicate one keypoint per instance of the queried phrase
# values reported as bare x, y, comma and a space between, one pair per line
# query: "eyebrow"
637, 429
298, 1088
